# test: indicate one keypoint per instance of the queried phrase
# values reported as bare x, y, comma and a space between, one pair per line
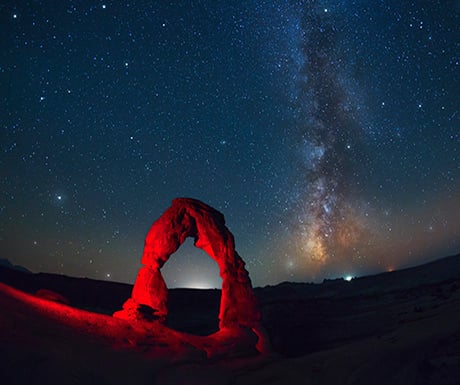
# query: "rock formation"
192, 218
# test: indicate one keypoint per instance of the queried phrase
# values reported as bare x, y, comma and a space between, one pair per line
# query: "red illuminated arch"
192, 218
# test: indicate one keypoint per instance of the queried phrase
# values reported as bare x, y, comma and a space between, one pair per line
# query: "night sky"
326, 132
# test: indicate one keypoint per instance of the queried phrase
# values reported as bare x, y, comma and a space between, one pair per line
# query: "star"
303, 132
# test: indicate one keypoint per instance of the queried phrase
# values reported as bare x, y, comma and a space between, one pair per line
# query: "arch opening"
194, 290
191, 268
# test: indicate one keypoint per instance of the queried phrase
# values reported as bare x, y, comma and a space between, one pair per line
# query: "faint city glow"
198, 284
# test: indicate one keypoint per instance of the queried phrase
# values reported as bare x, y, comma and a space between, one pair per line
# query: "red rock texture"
192, 218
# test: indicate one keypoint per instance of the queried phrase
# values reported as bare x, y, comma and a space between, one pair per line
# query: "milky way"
330, 222
326, 132
334, 223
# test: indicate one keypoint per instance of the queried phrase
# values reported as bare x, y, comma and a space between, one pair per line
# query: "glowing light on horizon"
198, 285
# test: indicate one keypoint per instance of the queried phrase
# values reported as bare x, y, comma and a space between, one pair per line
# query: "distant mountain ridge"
439, 270
6, 263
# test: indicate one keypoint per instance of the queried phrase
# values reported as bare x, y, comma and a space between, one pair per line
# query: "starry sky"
327, 133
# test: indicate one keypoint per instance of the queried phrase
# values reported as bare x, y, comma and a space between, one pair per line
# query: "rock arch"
191, 218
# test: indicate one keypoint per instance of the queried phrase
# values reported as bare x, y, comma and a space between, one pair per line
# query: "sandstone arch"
191, 218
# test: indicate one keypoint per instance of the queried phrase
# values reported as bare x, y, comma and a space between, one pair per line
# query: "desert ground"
394, 328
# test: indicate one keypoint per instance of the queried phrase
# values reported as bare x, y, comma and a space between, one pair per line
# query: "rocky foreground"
399, 328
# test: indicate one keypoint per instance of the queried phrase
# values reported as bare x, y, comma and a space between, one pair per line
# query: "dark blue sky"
326, 132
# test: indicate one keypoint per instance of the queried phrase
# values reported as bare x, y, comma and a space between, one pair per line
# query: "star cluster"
326, 132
